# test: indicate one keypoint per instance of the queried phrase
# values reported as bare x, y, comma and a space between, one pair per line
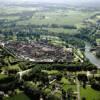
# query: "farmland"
40, 16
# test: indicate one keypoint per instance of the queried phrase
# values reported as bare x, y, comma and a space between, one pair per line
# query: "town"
41, 51
49, 51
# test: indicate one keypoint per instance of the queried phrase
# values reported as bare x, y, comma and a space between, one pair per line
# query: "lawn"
89, 93
64, 81
51, 72
21, 96
16, 66
3, 76
12, 67
66, 84
66, 87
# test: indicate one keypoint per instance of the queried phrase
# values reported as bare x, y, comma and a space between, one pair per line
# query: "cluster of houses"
41, 51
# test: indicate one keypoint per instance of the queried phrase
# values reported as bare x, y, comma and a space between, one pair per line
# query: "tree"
83, 98
52, 97
69, 94
59, 76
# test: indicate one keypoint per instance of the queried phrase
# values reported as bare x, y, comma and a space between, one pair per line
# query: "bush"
7, 80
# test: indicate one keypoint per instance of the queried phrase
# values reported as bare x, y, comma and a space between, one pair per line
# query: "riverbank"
89, 55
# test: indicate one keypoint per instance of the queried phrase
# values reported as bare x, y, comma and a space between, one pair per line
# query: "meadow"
89, 93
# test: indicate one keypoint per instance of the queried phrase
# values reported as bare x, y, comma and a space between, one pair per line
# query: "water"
93, 59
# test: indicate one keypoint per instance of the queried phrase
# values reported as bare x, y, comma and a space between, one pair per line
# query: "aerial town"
41, 52
49, 51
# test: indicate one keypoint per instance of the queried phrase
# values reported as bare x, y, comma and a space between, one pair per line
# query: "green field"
15, 9
52, 72
56, 16
61, 30
2, 76
21, 96
66, 84
89, 93
61, 17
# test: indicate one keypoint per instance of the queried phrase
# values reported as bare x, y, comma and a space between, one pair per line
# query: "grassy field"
3, 76
66, 87
62, 17
21, 96
12, 67
56, 16
98, 41
90, 94
66, 84
15, 9
52, 72
62, 30
9, 18
16, 66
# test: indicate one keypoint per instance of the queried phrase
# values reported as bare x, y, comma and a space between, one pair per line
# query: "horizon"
54, 1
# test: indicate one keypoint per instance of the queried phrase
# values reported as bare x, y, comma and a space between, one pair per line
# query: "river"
93, 59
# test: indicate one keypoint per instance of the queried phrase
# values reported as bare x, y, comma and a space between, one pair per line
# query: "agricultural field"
58, 17
38, 16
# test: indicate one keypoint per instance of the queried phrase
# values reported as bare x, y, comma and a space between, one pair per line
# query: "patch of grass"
21, 96
51, 72
98, 72
89, 93
9, 18
55, 42
65, 87
62, 30
16, 66
12, 67
66, 84
3, 76
64, 80
98, 41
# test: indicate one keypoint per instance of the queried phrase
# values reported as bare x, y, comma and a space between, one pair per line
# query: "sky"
54, 1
